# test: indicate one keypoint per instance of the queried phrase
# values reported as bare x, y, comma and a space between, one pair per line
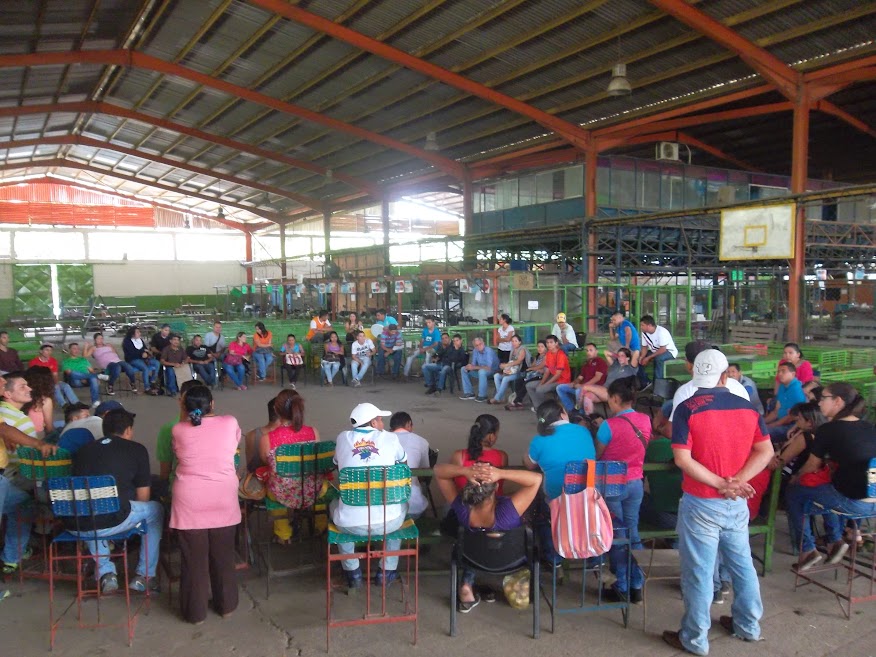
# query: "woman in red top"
237, 352
289, 406
481, 437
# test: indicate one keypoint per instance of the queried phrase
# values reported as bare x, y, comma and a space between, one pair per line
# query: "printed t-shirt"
720, 429
367, 447
198, 354
687, 390
432, 337
363, 349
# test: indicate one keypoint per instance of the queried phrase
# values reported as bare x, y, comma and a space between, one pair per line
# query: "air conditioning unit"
667, 150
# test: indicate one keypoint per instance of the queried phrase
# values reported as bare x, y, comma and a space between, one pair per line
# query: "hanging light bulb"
619, 85
220, 213
431, 142
329, 175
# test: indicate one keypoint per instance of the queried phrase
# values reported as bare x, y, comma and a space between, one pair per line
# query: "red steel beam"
75, 140
140, 60
842, 115
103, 107
845, 67
571, 132
72, 164
784, 78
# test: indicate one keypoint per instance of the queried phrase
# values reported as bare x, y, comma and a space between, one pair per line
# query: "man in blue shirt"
790, 392
431, 339
623, 330
383, 318
482, 365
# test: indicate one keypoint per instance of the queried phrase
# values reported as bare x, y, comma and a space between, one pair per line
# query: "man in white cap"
565, 334
719, 442
368, 444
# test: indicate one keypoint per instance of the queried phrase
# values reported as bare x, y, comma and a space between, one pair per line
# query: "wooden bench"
760, 526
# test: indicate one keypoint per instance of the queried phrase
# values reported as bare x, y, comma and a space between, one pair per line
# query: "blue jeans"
170, 380
78, 380
236, 373
799, 501
15, 502
64, 394
707, 528
483, 377
206, 372
388, 563
263, 360
381, 362
149, 367
780, 433
358, 370
659, 368
568, 348
434, 375
625, 515
151, 513
330, 369
503, 382
114, 371
568, 396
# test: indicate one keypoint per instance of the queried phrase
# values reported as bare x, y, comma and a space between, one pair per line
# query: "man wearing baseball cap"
565, 334
368, 444
719, 442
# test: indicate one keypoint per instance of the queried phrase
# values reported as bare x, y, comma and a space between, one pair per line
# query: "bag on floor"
581, 523
516, 588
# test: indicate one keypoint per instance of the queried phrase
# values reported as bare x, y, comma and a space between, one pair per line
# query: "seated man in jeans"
448, 354
118, 455
482, 365
79, 372
107, 359
391, 346
201, 359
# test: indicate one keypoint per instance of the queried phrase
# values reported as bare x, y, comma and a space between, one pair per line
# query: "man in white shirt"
361, 352
657, 346
214, 340
686, 391
565, 334
417, 449
368, 444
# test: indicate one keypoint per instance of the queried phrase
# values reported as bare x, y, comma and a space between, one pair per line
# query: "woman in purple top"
478, 508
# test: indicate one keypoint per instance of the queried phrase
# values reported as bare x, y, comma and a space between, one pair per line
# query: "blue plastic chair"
84, 499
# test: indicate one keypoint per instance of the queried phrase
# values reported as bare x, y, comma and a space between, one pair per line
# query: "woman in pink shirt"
205, 510
805, 374
289, 406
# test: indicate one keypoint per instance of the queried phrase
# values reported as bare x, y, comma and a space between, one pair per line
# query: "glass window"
56, 244
623, 183
559, 186
671, 187
544, 187
526, 190
506, 194
489, 198
694, 187
573, 182
648, 185
603, 184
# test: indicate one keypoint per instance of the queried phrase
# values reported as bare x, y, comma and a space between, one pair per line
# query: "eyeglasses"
828, 396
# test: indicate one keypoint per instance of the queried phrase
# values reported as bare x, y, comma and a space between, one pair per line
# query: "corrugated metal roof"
554, 54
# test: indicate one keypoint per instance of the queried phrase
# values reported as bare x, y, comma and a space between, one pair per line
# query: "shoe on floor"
109, 583
807, 561
387, 576
727, 623
718, 597
5, 593
110, 390
613, 594
354, 580
431, 390
636, 596
725, 588
672, 639
480, 400
465, 607
138, 583
10, 567
468, 397
103, 377
837, 552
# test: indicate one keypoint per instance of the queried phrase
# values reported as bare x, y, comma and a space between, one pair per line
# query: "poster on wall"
321, 288
464, 285
399, 287
438, 286
378, 287
409, 287
347, 288
330, 287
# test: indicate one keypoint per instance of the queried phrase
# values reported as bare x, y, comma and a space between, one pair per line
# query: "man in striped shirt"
20, 431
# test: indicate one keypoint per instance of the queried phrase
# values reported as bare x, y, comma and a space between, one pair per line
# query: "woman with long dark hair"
205, 510
41, 406
506, 332
289, 407
137, 355
263, 350
482, 437
332, 358
238, 353
850, 443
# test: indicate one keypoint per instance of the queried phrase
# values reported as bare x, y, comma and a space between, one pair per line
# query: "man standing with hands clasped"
719, 442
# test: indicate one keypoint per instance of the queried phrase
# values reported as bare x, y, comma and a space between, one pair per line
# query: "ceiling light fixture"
431, 144
329, 175
619, 85
220, 213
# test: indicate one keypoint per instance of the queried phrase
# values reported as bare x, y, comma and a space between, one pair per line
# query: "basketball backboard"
758, 233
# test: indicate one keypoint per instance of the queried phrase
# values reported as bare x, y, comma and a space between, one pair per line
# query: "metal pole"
799, 176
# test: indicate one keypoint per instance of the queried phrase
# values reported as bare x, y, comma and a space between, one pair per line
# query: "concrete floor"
291, 622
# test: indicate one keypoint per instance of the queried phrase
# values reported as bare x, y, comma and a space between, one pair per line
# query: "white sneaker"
103, 377
95, 404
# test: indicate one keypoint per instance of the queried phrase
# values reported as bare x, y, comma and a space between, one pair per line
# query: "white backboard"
758, 233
